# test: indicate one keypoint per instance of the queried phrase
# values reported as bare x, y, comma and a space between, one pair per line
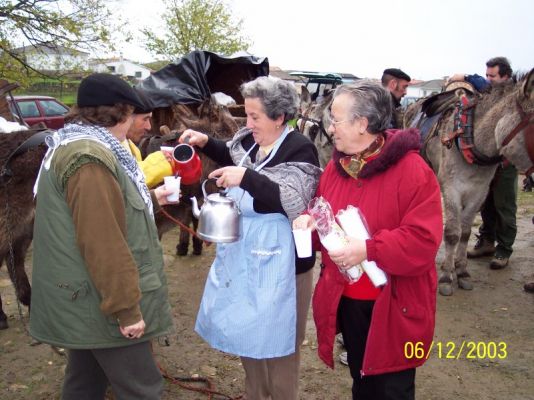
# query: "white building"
120, 66
53, 59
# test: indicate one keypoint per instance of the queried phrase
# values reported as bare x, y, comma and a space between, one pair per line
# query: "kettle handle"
204, 188
222, 192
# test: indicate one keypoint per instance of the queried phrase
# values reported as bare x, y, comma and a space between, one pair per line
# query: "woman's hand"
194, 138
352, 254
228, 176
304, 221
161, 193
134, 331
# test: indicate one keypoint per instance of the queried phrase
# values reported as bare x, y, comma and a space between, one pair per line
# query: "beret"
397, 73
106, 90
148, 105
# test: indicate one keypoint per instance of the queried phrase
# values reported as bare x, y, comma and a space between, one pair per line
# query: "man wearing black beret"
156, 165
396, 81
107, 90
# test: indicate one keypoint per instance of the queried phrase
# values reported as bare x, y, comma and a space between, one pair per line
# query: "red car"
35, 109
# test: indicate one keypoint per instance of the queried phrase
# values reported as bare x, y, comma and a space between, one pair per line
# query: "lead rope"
182, 225
208, 390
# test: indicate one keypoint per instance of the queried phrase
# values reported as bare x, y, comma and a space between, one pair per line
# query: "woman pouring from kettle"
257, 285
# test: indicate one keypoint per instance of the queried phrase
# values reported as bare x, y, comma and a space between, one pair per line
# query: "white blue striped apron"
249, 302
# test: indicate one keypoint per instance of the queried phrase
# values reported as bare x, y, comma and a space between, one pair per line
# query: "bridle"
316, 123
528, 123
33, 141
463, 135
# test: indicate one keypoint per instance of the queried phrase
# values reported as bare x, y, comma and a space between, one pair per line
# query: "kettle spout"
196, 210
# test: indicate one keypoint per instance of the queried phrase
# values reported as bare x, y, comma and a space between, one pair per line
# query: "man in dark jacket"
499, 208
396, 82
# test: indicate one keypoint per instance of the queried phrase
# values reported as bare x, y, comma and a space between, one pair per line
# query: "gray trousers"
278, 378
131, 371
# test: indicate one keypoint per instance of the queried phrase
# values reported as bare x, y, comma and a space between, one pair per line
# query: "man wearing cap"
396, 82
99, 289
156, 165
498, 211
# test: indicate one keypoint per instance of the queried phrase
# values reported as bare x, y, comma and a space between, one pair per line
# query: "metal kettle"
219, 219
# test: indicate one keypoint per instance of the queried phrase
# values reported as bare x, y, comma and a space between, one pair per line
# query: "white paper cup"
172, 183
303, 242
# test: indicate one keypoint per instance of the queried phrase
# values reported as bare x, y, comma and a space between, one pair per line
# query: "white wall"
56, 62
127, 68
123, 68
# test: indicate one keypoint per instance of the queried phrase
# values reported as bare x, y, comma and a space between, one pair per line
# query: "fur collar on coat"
398, 143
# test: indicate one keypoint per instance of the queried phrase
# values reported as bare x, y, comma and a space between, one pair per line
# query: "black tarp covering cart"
193, 78
181, 93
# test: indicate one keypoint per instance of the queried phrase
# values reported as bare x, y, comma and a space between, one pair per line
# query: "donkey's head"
515, 130
314, 123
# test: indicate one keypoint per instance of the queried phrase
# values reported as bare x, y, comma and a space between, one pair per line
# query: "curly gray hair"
278, 97
370, 100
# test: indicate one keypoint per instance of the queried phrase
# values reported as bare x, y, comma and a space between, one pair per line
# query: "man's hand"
134, 331
161, 193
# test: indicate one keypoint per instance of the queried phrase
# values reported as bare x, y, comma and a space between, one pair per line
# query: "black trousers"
354, 317
131, 371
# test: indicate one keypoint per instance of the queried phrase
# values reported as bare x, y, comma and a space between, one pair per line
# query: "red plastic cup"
187, 164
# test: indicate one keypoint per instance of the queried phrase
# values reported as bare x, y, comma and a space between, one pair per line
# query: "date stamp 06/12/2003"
470, 350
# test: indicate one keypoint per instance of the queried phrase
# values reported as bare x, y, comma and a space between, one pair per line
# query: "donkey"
313, 123
464, 185
17, 210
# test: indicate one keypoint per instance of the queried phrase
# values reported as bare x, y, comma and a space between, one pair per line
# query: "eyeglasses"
335, 123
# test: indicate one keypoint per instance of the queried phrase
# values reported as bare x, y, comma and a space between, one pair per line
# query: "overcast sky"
426, 38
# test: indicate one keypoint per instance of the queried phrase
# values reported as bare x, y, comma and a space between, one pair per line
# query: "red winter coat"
399, 196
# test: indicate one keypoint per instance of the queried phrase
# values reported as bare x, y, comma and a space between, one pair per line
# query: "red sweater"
399, 196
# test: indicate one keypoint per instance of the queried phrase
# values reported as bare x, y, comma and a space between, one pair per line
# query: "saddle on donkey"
459, 98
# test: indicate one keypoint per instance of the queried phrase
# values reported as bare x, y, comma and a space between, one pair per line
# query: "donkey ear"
528, 87
305, 96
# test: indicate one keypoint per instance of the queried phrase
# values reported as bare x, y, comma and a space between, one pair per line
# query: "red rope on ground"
207, 391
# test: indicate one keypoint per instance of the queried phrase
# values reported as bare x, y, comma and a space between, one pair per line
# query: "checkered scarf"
73, 132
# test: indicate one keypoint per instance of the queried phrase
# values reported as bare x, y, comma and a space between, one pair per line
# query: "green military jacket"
65, 306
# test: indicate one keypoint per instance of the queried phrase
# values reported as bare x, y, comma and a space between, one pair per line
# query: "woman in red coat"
380, 172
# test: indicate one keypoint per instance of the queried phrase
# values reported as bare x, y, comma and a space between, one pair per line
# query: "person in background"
529, 286
158, 165
381, 172
498, 211
98, 286
253, 305
396, 82
498, 70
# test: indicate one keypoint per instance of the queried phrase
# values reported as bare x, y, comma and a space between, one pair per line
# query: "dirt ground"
495, 314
